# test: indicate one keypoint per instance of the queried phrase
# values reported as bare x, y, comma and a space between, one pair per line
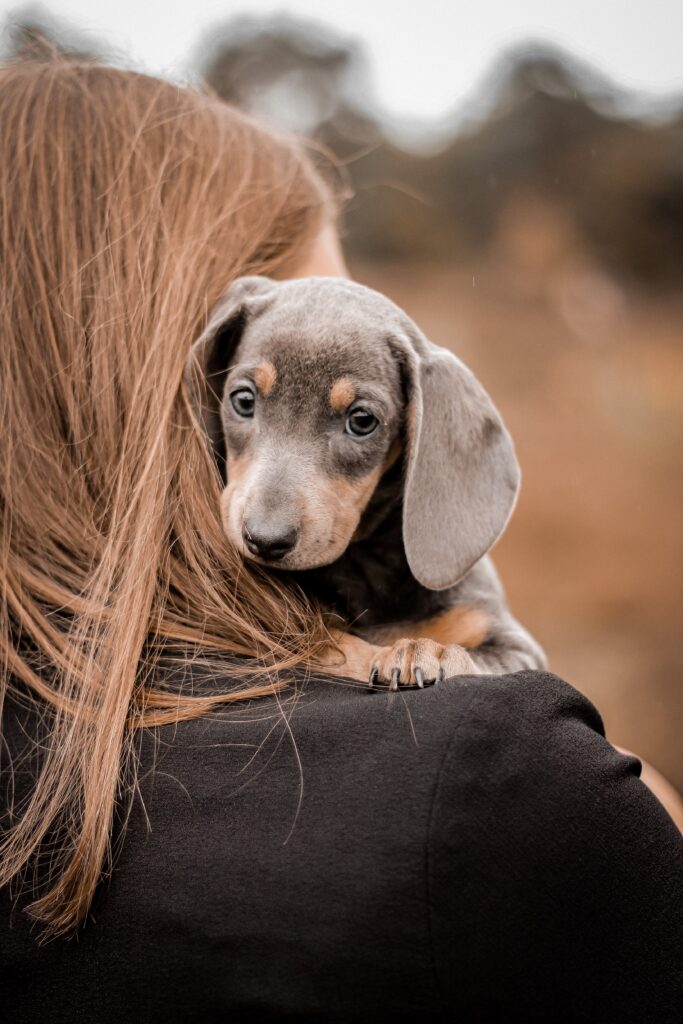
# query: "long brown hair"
126, 206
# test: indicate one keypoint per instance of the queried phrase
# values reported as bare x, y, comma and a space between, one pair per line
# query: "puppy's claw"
409, 663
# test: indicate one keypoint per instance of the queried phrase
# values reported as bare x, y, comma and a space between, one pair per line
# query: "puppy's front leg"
496, 642
481, 622
351, 658
508, 648
460, 641
427, 651
406, 662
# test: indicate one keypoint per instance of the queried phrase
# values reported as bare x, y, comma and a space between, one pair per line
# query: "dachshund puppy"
371, 465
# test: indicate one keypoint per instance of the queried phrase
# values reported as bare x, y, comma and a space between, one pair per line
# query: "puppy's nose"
271, 544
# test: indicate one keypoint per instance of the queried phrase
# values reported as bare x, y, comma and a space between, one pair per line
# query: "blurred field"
589, 381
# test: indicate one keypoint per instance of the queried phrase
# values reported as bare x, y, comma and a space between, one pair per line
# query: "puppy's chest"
371, 585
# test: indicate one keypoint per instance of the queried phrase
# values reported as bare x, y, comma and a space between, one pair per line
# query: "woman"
317, 852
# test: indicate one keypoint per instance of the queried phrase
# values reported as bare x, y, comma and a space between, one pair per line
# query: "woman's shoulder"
360, 785
398, 738
328, 756
341, 855
331, 789
338, 738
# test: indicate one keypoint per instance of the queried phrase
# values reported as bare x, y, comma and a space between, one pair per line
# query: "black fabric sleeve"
555, 878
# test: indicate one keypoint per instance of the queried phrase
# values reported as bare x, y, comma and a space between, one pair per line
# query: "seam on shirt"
428, 842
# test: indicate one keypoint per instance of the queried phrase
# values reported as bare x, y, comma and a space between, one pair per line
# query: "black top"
473, 852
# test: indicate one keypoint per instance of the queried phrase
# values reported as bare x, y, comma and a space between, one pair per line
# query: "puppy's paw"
419, 662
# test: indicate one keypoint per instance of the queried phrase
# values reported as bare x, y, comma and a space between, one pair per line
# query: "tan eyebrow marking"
265, 376
342, 393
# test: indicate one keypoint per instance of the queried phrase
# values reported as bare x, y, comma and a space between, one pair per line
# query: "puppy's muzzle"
271, 543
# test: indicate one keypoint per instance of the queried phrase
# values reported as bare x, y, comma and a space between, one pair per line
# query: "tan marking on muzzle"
265, 376
237, 467
342, 393
392, 455
342, 501
236, 470
373, 479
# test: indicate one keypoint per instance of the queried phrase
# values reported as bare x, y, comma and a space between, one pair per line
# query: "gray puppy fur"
369, 463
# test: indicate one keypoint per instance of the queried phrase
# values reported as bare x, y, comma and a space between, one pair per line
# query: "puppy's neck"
384, 505
370, 583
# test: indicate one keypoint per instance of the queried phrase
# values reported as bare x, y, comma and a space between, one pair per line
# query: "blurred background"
518, 180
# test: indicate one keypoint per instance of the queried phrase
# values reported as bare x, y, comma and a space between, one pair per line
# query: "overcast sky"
427, 56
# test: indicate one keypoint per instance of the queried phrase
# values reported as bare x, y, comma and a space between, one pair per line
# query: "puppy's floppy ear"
462, 477
211, 354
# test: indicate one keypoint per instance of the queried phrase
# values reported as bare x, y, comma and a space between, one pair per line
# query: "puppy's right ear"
211, 355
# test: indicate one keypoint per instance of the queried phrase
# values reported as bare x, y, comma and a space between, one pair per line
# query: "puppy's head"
307, 389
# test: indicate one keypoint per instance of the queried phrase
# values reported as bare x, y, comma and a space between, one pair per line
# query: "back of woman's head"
126, 206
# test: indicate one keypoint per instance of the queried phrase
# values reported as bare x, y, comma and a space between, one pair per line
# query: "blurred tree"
545, 127
297, 74
31, 32
551, 127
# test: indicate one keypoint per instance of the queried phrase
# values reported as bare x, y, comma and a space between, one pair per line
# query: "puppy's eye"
243, 401
361, 422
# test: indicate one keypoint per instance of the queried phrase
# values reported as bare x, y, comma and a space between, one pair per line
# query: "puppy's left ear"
212, 353
462, 476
